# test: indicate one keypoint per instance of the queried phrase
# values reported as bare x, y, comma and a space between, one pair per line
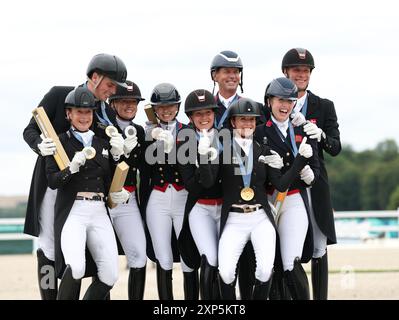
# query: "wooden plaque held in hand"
149, 111
47, 129
118, 181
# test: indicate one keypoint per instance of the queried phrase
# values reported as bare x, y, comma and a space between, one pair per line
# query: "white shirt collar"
170, 126
282, 126
226, 102
87, 136
300, 102
244, 143
123, 123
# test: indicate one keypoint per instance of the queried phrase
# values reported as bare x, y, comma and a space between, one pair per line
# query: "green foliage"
365, 180
394, 200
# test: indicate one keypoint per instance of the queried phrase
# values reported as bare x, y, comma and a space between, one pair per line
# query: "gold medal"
247, 194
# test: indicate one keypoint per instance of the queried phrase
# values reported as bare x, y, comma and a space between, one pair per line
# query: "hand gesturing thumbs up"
305, 149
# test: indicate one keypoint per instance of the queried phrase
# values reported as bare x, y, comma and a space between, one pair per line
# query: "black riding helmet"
199, 99
165, 94
110, 66
80, 97
297, 57
227, 59
244, 107
283, 88
131, 91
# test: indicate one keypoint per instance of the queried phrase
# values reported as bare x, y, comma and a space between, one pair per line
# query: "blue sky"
46, 43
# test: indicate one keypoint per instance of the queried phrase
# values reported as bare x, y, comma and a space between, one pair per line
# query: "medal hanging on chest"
247, 193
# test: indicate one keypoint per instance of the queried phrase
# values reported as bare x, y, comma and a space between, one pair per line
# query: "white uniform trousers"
319, 239
204, 223
239, 229
129, 227
292, 229
164, 210
88, 223
46, 223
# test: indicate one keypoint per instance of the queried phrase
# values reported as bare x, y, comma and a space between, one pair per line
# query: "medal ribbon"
245, 172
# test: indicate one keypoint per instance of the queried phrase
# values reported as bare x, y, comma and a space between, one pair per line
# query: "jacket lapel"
99, 158
311, 105
272, 134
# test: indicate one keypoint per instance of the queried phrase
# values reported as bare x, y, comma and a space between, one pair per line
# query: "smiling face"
281, 108
126, 109
244, 125
81, 118
300, 75
228, 80
203, 119
101, 86
166, 113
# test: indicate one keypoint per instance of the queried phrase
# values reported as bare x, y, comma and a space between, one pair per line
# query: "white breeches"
239, 229
164, 211
204, 223
292, 229
46, 222
129, 227
88, 224
319, 239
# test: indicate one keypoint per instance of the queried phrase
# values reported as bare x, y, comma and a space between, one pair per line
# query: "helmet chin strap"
95, 84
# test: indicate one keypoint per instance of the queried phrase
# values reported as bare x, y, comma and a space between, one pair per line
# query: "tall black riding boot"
261, 290
320, 278
246, 272
98, 290
208, 280
227, 291
69, 287
94, 279
164, 281
46, 276
278, 288
191, 285
136, 283
297, 282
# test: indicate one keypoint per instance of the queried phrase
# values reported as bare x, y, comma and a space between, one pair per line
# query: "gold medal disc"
247, 194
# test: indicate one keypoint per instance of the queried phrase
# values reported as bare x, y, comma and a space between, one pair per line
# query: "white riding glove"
298, 119
204, 144
274, 160
120, 196
117, 144
129, 144
305, 149
167, 138
79, 159
313, 131
307, 175
205, 149
47, 147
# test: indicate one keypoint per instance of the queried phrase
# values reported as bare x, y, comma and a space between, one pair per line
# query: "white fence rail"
15, 222
367, 227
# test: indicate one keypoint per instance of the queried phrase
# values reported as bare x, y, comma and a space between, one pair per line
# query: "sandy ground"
368, 271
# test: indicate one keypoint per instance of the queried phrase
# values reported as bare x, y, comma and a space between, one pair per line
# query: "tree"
394, 200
